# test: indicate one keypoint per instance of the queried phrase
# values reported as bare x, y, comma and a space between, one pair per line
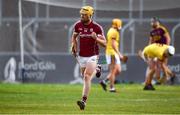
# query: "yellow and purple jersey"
112, 34
155, 50
158, 35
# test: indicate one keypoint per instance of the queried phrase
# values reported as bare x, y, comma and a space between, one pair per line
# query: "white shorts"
84, 60
109, 57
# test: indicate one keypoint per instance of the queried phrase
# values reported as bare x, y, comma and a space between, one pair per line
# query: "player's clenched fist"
124, 59
73, 51
94, 36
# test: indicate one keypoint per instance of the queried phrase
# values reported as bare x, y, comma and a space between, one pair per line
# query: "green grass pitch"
61, 99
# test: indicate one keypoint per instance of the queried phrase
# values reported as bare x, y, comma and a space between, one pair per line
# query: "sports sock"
84, 98
106, 80
112, 87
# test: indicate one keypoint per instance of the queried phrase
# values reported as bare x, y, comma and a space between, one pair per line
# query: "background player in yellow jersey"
113, 55
158, 52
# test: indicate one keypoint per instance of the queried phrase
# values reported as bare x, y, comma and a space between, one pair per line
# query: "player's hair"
87, 10
116, 22
155, 19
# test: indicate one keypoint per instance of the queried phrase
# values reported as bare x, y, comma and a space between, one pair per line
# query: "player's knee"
87, 76
152, 67
153, 70
118, 70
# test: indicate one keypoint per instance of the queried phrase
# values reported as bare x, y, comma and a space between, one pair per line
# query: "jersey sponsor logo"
157, 37
85, 35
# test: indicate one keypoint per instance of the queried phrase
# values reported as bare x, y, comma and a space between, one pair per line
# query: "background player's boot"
98, 69
113, 90
81, 105
149, 87
158, 82
172, 79
103, 84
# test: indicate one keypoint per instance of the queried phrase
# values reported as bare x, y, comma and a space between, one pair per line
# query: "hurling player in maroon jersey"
90, 35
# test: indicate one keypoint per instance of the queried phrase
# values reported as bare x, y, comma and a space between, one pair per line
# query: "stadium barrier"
64, 69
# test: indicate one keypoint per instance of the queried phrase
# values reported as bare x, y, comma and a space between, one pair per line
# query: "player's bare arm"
142, 55
167, 36
116, 49
150, 40
74, 44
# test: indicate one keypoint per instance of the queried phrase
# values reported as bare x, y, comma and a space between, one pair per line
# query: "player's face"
154, 24
85, 18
